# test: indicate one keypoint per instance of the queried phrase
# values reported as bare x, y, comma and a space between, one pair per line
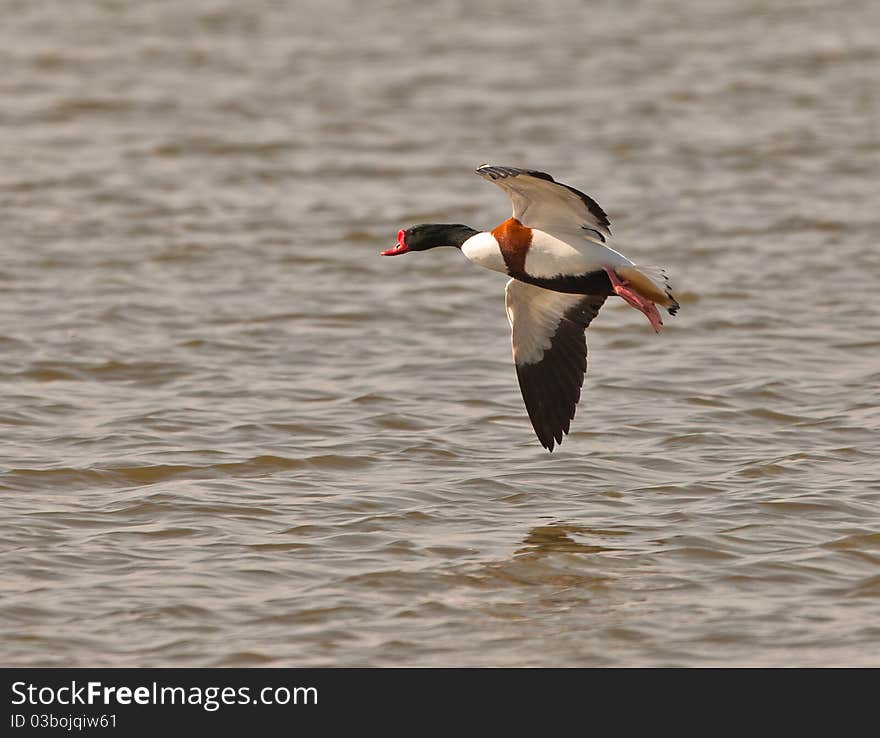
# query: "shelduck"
554, 248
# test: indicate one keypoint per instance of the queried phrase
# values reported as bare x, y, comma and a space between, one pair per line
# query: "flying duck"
554, 249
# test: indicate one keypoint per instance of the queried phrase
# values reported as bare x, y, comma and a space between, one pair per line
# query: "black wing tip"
594, 207
501, 172
552, 442
550, 422
549, 440
563, 368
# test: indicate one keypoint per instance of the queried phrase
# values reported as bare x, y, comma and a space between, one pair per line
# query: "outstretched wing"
541, 202
550, 353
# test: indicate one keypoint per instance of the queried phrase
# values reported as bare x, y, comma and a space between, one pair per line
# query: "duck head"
429, 236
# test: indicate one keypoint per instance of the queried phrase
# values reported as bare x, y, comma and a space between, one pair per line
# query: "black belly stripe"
591, 283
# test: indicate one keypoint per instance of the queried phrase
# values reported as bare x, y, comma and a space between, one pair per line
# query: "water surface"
235, 436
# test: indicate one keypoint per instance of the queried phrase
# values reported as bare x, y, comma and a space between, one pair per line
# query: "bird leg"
635, 299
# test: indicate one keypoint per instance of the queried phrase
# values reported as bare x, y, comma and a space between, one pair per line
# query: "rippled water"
233, 435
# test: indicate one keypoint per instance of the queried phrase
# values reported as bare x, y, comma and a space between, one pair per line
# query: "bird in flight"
554, 248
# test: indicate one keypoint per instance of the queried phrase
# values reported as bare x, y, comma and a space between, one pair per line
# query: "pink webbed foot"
635, 299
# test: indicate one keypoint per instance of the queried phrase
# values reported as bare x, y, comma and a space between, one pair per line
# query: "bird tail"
651, 283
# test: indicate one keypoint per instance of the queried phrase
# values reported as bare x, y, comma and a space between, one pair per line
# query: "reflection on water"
233, 435
561, 538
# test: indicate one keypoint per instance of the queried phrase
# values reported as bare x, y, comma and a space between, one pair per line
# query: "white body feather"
549, 256
483, 250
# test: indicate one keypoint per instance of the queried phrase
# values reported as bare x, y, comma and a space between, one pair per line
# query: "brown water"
233, 435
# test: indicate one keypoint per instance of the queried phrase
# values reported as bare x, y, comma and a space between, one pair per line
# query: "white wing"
550, 353
541, 202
